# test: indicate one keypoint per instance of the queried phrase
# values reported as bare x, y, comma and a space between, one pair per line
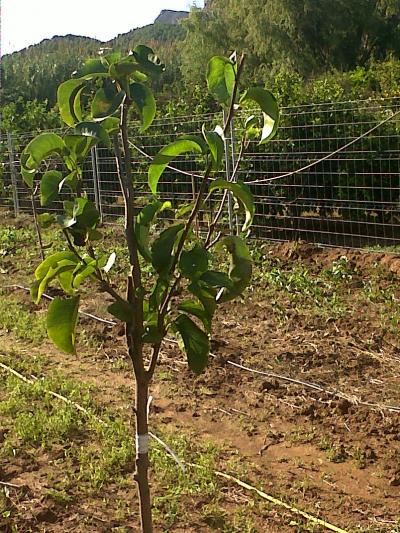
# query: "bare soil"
329, 445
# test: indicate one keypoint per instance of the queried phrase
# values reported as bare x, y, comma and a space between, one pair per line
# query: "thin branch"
214, 223
71, 245
234, 93
36, 222
106, 287
154, 359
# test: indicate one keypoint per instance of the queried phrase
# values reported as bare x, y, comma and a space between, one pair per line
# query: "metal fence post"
228, 172
96, 181
13, 173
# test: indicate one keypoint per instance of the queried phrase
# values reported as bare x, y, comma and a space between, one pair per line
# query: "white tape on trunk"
142, 443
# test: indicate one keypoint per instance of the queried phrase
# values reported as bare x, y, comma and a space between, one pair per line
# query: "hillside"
35, 72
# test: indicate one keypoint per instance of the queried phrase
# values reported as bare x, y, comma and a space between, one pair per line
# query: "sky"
26, 22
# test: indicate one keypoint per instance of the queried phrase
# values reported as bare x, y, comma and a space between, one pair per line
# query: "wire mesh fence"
331, 175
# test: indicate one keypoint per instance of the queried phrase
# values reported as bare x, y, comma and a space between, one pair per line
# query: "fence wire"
350, 199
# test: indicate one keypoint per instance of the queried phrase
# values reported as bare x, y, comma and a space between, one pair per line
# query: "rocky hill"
167, 16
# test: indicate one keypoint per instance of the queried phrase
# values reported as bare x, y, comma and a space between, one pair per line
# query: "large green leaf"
269, 107
28, 175
62, 317
122, 70
215, 279
161, 251
91, 67
240, 268
111, 58
39, 287
49, 186
206, 295
41, 147
243, 196
217, 148
148, 62
145, 103
95, 130
168, 153
142, 227
52, 261
221, 75
196, 343
79, 146
104, 105
196, 309
193, 262
86, 270
85, 213
68, 95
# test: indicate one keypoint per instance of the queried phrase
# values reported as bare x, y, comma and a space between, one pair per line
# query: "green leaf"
269, 107
52, 261
193, 262
184, 209
94, 129
62, 266
240, 269
196, 343
145, 103
78, 146
41, 147
68, 99
110, 58
121, 70
121, 310
148, 62
142, 227
85, 213
162, 248
156, 294
217, 147
62, 317
221, 75
196, 309
66, 277
152, 334
86, 271
28, 175
206, 295
91, 67
111, 125
213, 278
46, 220
242, 194
169, 152
104, 106
49, 185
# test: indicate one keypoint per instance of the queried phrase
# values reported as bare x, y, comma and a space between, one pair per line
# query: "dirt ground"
318, 423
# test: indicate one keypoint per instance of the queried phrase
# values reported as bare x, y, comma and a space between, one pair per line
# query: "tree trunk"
142, 455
